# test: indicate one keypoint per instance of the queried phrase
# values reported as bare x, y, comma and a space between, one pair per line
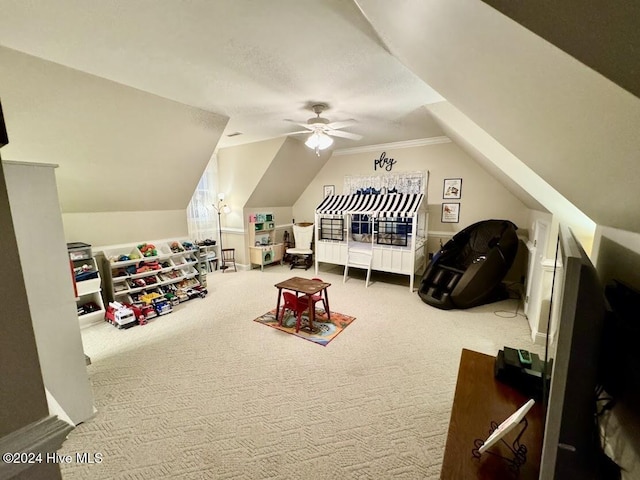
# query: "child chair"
296, 305
321, 297
228, 258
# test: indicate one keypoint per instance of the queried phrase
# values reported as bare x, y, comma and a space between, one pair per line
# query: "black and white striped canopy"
389, 205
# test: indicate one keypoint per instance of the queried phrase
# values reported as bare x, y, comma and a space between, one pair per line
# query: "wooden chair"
320, 297
228, 256
297, 305
302, 254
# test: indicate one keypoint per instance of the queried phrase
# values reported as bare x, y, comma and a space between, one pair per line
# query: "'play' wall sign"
383, 162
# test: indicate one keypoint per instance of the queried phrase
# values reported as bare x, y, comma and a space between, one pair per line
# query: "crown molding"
394, 145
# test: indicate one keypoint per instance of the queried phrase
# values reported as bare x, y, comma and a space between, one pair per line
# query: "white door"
533, 298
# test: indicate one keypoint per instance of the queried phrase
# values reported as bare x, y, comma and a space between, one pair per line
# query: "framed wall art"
450, 213
328, 190
452, 188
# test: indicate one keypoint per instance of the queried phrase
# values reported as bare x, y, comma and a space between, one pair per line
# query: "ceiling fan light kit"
319, 141
322, 130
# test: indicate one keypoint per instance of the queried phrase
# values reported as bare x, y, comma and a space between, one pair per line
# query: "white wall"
113, 228
617, 255
22, 396
118, 148
240, 169
483, 197
33, 199
245, 175
573, 127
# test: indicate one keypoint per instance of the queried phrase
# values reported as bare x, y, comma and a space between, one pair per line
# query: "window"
360, 224
332, 228
394, 231
202, 221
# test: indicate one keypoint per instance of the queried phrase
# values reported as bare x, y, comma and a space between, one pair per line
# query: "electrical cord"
508, 313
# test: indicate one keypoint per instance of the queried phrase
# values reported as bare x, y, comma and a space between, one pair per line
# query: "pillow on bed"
361, 237
621, 443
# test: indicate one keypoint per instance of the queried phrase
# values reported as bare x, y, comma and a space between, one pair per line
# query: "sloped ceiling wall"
118, 148
513, 174
573, 127
291, 171
272, 173
584, 30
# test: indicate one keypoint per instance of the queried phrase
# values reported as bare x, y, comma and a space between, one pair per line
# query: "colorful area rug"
324, 330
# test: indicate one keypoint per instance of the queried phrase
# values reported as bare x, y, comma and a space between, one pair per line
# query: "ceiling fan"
321, 130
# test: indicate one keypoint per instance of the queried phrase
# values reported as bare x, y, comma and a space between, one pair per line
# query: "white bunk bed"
384, 251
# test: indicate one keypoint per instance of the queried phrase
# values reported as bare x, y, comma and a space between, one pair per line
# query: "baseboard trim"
41, 437
539, 338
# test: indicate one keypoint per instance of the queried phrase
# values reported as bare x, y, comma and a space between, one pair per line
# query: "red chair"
321, 298
297, 305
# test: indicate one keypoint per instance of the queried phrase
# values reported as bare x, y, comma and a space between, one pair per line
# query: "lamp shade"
319, 141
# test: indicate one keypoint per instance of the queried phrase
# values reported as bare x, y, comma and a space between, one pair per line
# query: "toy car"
193, 293
149, 297
172, 297
149, 312
162, 306
119, 315
137, 311
182, 296
201, 289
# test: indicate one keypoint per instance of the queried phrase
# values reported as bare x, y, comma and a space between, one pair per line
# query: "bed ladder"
358, 259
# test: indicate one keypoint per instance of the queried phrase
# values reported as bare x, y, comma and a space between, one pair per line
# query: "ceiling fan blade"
296, 133
342, 124
308, 127
340, 133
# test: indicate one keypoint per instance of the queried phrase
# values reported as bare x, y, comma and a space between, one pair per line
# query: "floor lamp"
221, 208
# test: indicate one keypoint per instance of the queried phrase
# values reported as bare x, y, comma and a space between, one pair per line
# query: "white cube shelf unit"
87, 284
89, 297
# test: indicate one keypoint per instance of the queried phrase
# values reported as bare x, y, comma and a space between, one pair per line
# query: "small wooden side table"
304, 286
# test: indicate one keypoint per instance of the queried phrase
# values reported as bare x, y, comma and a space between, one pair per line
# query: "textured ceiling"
573, 127
260, 63
257, 62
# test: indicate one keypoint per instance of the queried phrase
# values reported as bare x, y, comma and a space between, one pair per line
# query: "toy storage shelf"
88, 286
209, 257
166, 264
263, 249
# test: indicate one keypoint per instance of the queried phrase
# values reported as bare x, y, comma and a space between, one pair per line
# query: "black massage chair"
469, 268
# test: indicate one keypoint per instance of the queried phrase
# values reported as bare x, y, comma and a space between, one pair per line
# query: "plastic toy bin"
79, 251
88, 286
115, 255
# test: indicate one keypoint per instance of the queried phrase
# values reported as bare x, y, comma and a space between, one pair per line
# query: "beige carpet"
207, 393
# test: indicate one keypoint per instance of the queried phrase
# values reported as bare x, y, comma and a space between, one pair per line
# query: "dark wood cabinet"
479, 400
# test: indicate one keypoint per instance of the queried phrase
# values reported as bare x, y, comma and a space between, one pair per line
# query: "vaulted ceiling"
241, 66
